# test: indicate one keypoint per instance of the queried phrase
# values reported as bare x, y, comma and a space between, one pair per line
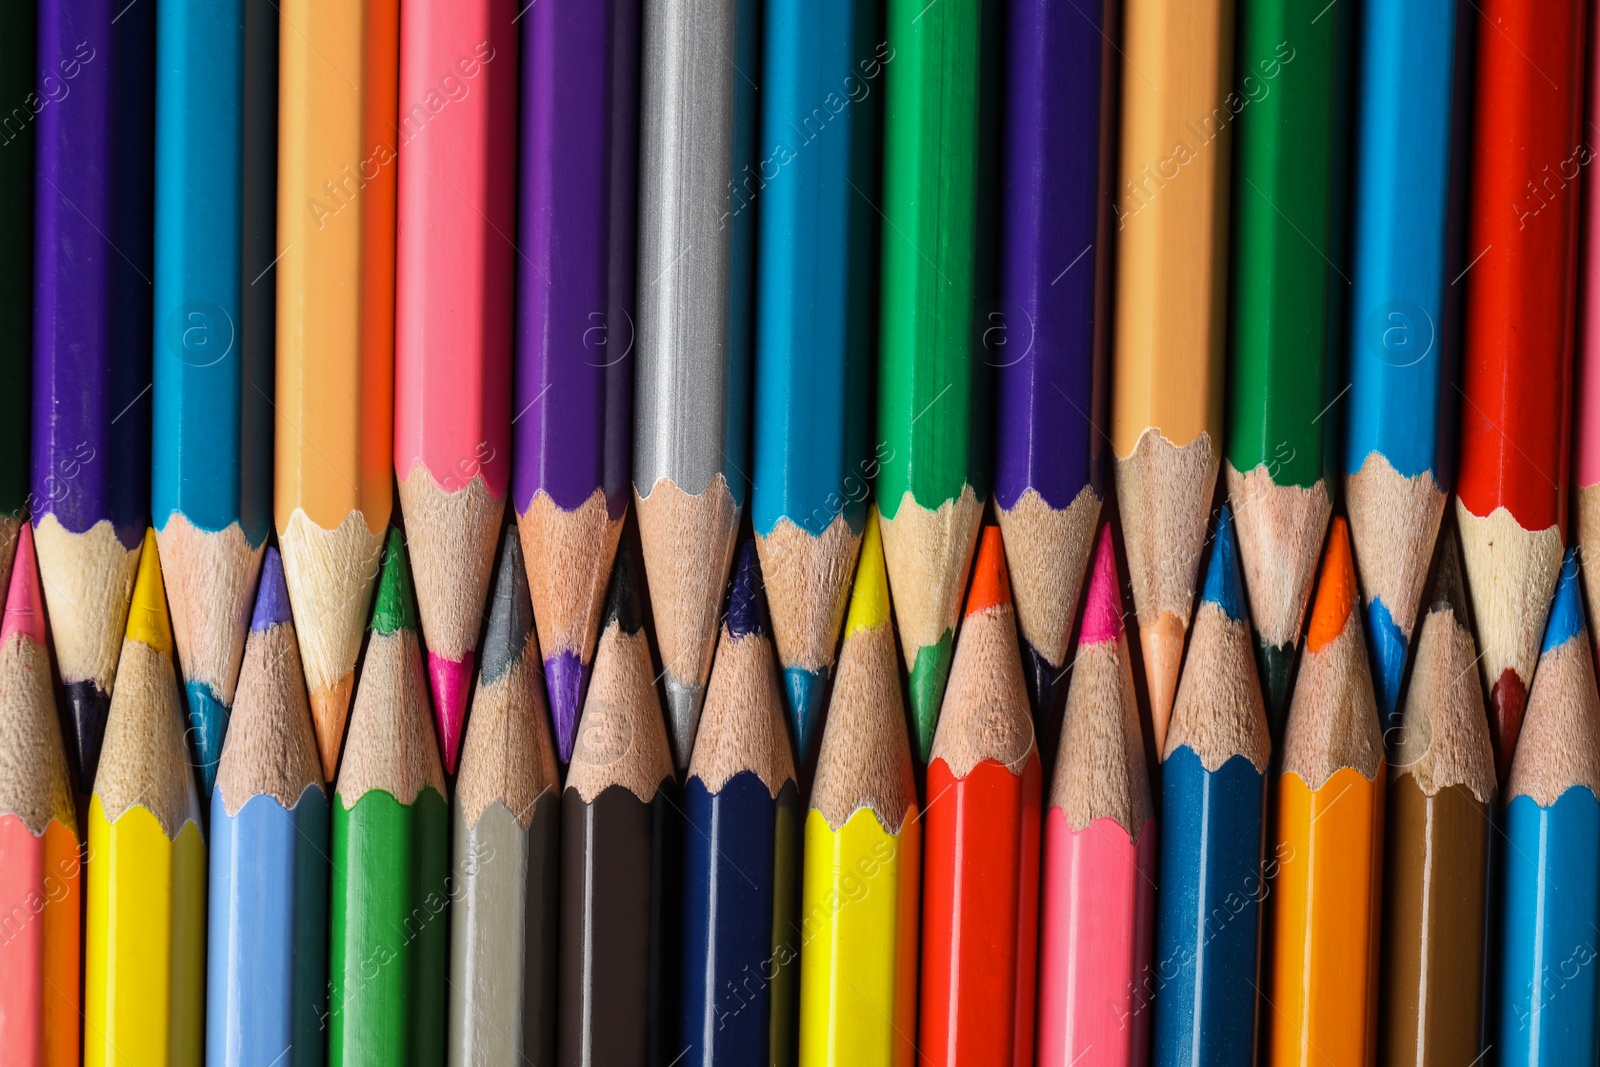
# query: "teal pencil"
211, 464
813, 473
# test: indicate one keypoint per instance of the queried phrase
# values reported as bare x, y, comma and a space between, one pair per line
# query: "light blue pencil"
211, 465
267, 978
1403, 310
821, 87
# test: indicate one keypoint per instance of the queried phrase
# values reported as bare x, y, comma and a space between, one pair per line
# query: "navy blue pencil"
740, 869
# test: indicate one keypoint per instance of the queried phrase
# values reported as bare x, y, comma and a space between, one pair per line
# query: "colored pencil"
145, 942
388, 935
91, 340
1055, 291
40, 865
1586, 447
1099, 851
452, 345
1214, 796
1329, 846
615, 810
697, 117
931, 411
741, 851
267, 978
1413, 98
19, 42
1172, 242
1440, 810
335, 332
211, 459
1550, 889
863, 840
575, 327
1516, 415
503, 933
822, 77
1288, 203
980, 927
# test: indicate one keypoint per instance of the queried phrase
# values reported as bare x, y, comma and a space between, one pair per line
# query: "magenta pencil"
1099, 853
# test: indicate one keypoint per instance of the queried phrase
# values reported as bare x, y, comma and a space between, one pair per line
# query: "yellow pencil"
1172, 255
858, 961
145, 988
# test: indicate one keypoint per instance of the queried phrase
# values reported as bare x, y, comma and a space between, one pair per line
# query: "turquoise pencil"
211, 460
266, 975
813, 473
1550, 894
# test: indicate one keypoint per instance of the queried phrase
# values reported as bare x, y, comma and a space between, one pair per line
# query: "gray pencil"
697, 189
503, 929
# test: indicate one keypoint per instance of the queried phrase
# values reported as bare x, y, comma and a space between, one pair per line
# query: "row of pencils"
846, 275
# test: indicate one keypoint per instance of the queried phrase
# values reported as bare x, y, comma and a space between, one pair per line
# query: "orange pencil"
1329, 856
39, 865
980, 896
335, 383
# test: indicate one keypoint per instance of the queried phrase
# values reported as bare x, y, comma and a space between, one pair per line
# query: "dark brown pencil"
616, 881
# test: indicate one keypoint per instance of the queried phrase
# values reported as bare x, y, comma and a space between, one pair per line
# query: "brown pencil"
1441, 789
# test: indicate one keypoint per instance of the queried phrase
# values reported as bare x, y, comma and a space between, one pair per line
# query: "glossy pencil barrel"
1213, 882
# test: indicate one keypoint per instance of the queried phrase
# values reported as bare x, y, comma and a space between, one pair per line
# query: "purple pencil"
574, 371
93, 189
1055, 237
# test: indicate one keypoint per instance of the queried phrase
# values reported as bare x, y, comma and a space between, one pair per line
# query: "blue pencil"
821, 88
1550, 896
1403, 309
740, 870
1214, 801
211, 464
266, 976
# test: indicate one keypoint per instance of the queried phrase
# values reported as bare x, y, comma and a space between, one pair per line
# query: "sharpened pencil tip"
566, 679
449, 680
683, 718
208, 728
1389, 652
929, 675
1566, 607
148, 621
803, 689
272, 595
88, 707
1508, 702
1043, 679
1276, 663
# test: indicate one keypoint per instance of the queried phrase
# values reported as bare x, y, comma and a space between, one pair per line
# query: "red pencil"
981, 884
1516, 421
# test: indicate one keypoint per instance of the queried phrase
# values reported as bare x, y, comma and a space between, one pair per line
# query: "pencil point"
1276, 663
929, 674
272, 596
88, 707
450, 680
148, 620
803, 690
1162, 645
24, 610
1389, 651
208, 725
565, 679
330, 710
395, 606
1041, 676
683, 716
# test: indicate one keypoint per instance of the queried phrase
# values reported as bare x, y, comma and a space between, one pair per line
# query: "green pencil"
391, 857
932, 412
17, 44
1287, 201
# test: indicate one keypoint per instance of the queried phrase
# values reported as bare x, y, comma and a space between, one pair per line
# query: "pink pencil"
1099, 854
1586, 429
454, 266
39, 844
